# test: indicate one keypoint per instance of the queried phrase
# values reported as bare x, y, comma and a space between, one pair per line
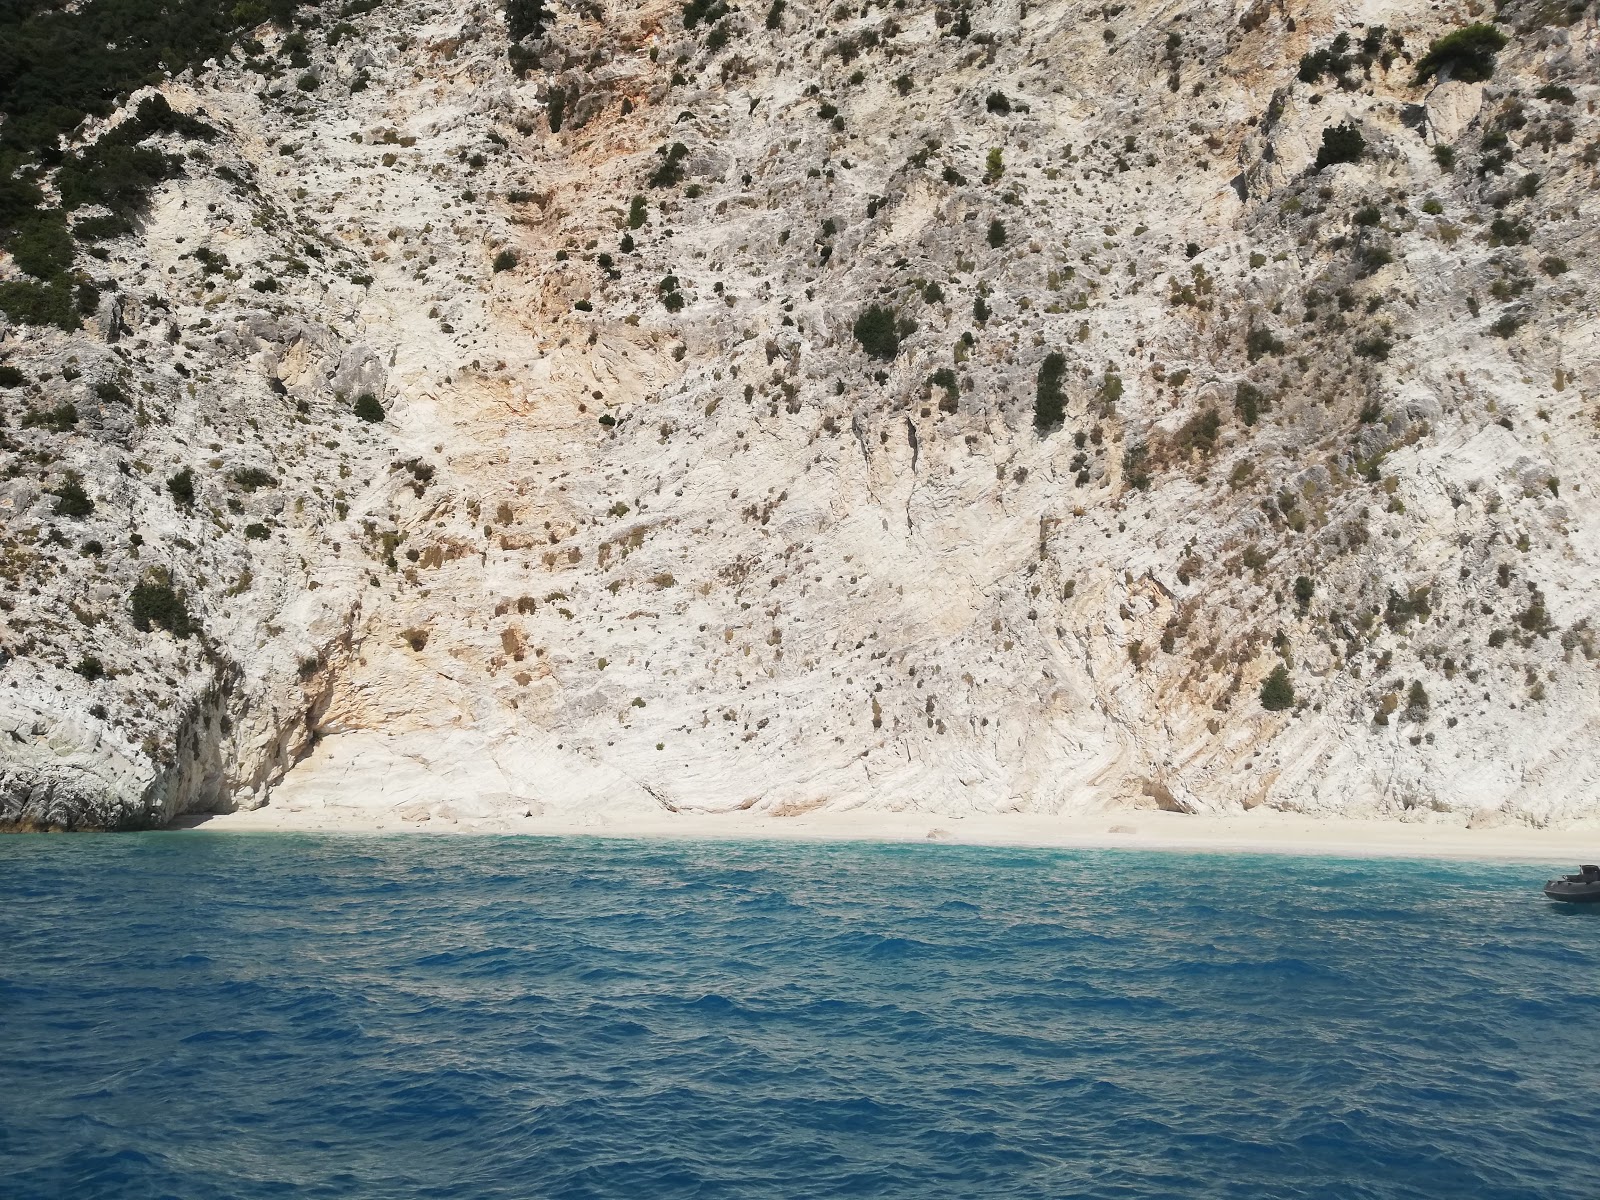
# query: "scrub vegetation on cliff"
888, 408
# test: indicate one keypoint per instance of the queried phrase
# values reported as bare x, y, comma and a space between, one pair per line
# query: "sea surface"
206, 1016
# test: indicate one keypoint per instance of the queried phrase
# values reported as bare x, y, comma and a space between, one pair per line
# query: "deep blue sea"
208, 1016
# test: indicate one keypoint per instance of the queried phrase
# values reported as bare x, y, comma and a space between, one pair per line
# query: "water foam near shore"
396, 1017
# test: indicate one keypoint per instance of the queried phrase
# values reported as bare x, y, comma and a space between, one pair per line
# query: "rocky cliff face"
1010, 407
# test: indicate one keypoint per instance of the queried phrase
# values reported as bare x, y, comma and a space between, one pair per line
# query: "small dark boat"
1576, 889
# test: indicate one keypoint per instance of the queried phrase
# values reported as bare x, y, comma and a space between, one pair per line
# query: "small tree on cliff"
1277, 693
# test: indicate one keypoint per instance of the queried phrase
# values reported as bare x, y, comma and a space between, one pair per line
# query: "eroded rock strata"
958, 408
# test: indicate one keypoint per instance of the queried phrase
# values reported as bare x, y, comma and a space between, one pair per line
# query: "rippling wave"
200, 1015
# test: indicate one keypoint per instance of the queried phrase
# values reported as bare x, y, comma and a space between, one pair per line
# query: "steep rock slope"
1152, 398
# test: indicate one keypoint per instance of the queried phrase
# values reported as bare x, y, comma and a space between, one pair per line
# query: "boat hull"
1573, 893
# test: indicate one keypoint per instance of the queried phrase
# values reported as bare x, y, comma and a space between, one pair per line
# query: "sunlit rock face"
547, 455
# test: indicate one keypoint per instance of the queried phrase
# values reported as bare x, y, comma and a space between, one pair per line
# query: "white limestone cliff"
603, 554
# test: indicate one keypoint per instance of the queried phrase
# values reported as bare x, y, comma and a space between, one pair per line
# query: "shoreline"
1256, 832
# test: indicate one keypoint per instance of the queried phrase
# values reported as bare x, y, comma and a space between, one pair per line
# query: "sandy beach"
1258, 831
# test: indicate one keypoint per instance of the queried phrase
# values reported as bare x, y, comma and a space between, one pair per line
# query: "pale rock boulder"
1451, 108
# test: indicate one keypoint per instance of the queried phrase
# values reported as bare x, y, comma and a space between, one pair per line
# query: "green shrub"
670, 172
60, 418
1556, 93
1134, 469
1199, 432
10, 377
1049, 401
556, 107
1341, 144
1110, 391
90, 668
1303, 589
41, 245
368, 408
637, 214
877, 332
308, 82
249, 479
154, 602
703, 11
1417, 702
775, 14
1249, 401
945, 379
29, 303
997, 233
932, 293
71, 500
997, 103
525, 18
994, 165
1261, 341
1467, 54
256, 532
1445, 156
505, 261
1277, 692
181, 487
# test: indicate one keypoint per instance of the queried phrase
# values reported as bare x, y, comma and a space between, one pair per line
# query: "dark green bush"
945, 379
1341, 144
72, 500
877, 332
368, 408
775, 14
670, 172
60, 418
256, 532
90, 668
1261, 341
10, 377
1199, 432
932, 293
525, 18
1467, 54
505, 261
29, 303
1249, 401
249, 479
637, 213
181, 486
1556, 93
997, 103
41, 245
1277, 692
1049, 401
1303, 589
556, 107
1135, 471
997, 233
154, 602
698, 12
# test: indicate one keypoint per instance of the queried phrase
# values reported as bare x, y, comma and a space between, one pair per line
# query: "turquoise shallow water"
195, 1015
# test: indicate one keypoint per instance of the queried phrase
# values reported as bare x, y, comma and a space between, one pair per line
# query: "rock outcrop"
540, 458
